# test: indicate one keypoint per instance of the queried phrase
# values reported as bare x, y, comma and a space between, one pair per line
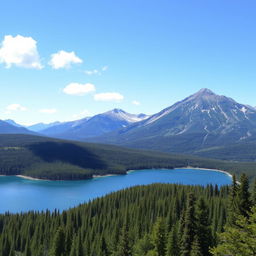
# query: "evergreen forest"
158, 220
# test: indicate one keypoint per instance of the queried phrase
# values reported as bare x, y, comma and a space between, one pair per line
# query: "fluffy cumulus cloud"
79, 89
19, 51
48, 111
135, 102
15, 107
63, 59
108, 96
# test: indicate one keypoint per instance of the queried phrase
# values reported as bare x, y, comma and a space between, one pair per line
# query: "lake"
19, 194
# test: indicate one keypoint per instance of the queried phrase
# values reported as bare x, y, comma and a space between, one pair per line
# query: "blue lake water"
18, 194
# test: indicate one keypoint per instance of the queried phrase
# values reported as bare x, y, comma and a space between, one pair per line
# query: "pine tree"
232, 205
159, 237
73, 246
189, 227
58, 247
79, 249
204, 237
243, 194
238, 240
124, 248
103, 247
173, 243
196, 248
77, 246
143, 246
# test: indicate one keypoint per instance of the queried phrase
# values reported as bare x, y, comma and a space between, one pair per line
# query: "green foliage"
129, 222
173, 248
243, 196
203, 239
189, 227
196, 247
239, 239
54, 159
58, 247
159, 237
143, 246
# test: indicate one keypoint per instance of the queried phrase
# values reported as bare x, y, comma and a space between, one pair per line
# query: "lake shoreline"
128, 172
206, 169
28, 177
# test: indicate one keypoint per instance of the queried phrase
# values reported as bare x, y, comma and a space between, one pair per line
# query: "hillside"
10, 127
201, 121
93, 126
48, 158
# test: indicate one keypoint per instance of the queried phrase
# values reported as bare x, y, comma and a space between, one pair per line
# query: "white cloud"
19, 51
135, 102
96, 71
48, 111
108, 96
92, 72
63, 59
79, 89
15, 107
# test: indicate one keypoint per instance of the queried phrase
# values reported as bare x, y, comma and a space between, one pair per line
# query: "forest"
158, 220
53, 159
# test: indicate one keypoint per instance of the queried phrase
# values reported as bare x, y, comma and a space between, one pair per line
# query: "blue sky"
144, 54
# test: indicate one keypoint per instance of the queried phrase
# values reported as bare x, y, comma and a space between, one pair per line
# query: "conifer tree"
243, 194
79, 249
77, 246
173, 243
232, 205
143, 246
124, 248
103, 247
159, 237
196, 248
73, 246
239, 240
189, 227
204, 237
58, 247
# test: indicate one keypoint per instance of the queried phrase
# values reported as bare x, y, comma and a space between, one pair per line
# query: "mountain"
12, 122
7, 128
202, 120
56, 130
42, 126
94, 126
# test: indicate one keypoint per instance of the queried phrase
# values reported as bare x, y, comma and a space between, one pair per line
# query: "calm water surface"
18, 194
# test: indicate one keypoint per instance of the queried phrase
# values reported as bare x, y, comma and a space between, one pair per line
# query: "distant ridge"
202, 120
93, 126
10, 127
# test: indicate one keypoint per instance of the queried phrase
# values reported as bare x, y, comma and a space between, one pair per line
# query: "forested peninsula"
53, 159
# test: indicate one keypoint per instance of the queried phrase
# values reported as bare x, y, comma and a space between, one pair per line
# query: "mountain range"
204, 124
